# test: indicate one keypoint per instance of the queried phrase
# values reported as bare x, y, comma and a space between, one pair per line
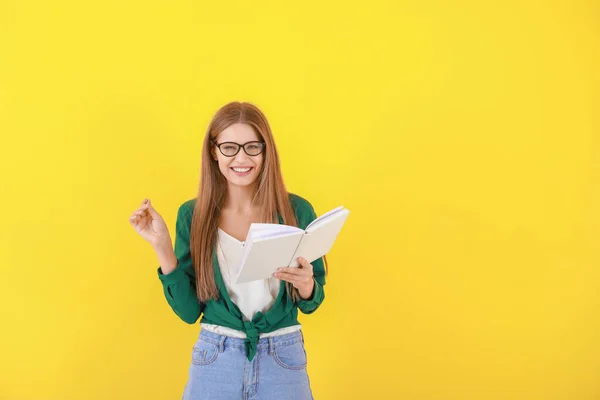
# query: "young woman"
250, 345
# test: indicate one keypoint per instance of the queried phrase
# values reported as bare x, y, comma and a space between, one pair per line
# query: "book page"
264, 255
256, 227
324, 216
258, 231
320, 238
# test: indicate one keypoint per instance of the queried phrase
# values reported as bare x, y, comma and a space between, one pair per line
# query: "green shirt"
179, 286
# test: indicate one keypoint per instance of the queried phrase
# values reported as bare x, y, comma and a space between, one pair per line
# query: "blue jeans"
219, 369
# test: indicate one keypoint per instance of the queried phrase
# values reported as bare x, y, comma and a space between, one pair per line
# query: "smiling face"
241, 169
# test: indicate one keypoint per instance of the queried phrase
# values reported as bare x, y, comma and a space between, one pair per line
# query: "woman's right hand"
150, 225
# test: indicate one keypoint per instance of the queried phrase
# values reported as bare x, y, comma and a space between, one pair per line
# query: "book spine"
297, 247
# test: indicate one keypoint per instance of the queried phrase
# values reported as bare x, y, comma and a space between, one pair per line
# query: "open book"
270, 246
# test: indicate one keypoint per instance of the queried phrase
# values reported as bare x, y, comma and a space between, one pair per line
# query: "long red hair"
271, 193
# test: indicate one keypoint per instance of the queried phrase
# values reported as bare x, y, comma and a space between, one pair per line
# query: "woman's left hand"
301, 277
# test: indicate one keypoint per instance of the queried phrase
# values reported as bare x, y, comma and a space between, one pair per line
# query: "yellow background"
463, 136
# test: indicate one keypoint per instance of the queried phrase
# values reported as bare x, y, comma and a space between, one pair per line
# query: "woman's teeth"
242, 171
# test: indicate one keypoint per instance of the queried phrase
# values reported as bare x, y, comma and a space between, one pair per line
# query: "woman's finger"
294, 271
145, 205
294, 282
153, 213
286, 276
305, 264
295, 279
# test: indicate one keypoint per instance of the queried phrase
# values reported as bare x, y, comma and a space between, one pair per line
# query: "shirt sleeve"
179, 286
310, 305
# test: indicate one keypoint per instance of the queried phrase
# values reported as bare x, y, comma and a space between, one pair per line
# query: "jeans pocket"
292, 356
204, 353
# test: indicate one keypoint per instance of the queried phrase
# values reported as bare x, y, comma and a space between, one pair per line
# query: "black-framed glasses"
230, 149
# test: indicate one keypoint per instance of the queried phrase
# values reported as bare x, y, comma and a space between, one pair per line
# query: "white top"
250, 297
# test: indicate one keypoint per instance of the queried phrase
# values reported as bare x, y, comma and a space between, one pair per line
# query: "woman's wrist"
307, 293
166, 257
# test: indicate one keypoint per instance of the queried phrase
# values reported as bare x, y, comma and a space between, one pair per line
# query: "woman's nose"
241, 156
